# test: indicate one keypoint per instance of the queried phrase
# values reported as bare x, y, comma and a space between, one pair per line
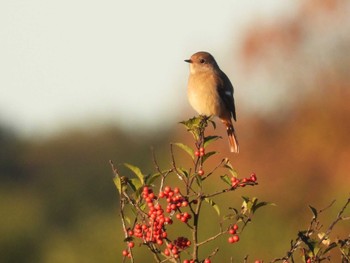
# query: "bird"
210, 92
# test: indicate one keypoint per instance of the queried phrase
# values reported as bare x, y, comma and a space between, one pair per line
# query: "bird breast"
203, 95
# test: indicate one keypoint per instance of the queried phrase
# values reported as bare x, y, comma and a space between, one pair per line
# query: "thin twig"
214, 169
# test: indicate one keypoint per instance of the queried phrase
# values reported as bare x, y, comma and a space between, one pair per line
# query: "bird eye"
202, 61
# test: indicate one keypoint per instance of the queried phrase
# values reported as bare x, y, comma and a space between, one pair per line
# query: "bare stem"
195, 228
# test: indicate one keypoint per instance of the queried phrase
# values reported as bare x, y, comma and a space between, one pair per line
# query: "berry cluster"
174, 199
235, 182
126, 253
183, 217
182, 242
233, 231
200, 153
175, 248
153, 228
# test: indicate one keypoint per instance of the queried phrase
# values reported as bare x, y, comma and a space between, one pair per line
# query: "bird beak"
188, 60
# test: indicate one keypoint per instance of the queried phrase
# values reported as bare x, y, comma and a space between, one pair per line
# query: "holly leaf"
207, 155
136, 171
186, 148
213, 204
233, 172
118, 184
184, 172
135, 184
149, 179
210, 139
257, 205
212, 123
251, 205
226, 179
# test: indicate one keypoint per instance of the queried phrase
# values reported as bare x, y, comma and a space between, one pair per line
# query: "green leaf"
234, 210
257, 205
184, 172
136, 171
135, 184
210, 139
207, 155
311, 243
230, 216
213, 123
117, 183
127, 219
143, 206
213, 204
231, 169
314, 211
195, 123
226, 179
151, 178
186, 148
247, 205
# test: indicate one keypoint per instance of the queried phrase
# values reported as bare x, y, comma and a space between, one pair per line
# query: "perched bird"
210, 92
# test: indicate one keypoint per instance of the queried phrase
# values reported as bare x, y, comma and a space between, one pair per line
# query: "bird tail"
232, 138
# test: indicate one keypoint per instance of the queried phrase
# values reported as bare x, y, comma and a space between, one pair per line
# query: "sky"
71, 63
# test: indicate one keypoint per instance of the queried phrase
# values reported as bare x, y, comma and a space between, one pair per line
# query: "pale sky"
80, 62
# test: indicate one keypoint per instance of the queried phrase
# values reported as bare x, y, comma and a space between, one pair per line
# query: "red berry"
207, 260
201, 154
200, 172
125, 253
131, 244
197, 153
235, 227
176, 190
201, 150
253, 177
232, 231
235, 238
186, 261
230, 240
167, 252
174, 250
257, 261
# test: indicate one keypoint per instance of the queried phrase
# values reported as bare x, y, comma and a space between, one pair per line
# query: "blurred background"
85, 82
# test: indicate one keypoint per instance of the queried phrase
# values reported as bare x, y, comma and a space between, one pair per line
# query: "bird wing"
225, 90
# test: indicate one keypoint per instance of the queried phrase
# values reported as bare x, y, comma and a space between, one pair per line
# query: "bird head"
202, 62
